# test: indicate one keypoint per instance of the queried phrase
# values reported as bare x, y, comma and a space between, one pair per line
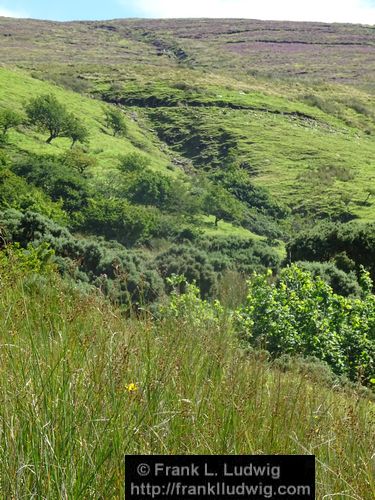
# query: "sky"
354, 11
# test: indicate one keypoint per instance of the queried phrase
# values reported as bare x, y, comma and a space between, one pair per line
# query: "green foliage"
16, 193
204, 260
187, 306
47, 113
119, 220
125, 276
149, 188
56, 178
302, 315
5, 160
77, 159
8, 119
343, 283
351, 245
192, 263
141, 185
115, 121
133, 162
32, 259
261, 214
238, 182
76, 130
222, 205
242, 254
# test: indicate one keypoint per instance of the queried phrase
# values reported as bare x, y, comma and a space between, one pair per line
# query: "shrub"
133, 162
125, 276
350, 244
56, 179
79, 160
33, 259
188, 305
302, 315
243, 254
194, 264
238, 182
343, 283
16, 193
149, 188
115, 121
119, 220
9, 119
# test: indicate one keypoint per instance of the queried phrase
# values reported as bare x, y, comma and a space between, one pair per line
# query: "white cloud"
11, 13
352, 11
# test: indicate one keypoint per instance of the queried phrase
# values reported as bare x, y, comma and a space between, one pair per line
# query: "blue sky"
356, 11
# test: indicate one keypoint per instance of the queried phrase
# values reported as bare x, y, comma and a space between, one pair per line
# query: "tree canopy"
115, 121
48, 114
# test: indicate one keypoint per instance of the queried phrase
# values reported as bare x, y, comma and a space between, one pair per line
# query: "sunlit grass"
67, 416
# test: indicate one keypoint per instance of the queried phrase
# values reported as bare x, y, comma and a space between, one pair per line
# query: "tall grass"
67, 416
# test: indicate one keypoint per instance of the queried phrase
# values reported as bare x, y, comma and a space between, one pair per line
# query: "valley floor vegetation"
81, 386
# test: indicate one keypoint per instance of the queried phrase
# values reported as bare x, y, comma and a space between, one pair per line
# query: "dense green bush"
140, 184
246, 255
77, 159
204, 260
260, 214
118, 220
133, 162
126, 276
344, 283
15, 192
188, 305
192, 263
149, 188
32, 259
57, 179
256, 221
299, 314
350, 245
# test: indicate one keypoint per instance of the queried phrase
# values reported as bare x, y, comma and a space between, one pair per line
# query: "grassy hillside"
17, 88
309, 143
203, 283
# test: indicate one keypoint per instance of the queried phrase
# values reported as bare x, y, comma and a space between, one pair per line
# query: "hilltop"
339, 53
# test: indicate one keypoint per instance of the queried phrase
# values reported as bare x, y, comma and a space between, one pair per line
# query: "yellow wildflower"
132, 387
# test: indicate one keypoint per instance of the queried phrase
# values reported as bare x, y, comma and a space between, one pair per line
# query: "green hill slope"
309, 142
147, 302
17, 88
